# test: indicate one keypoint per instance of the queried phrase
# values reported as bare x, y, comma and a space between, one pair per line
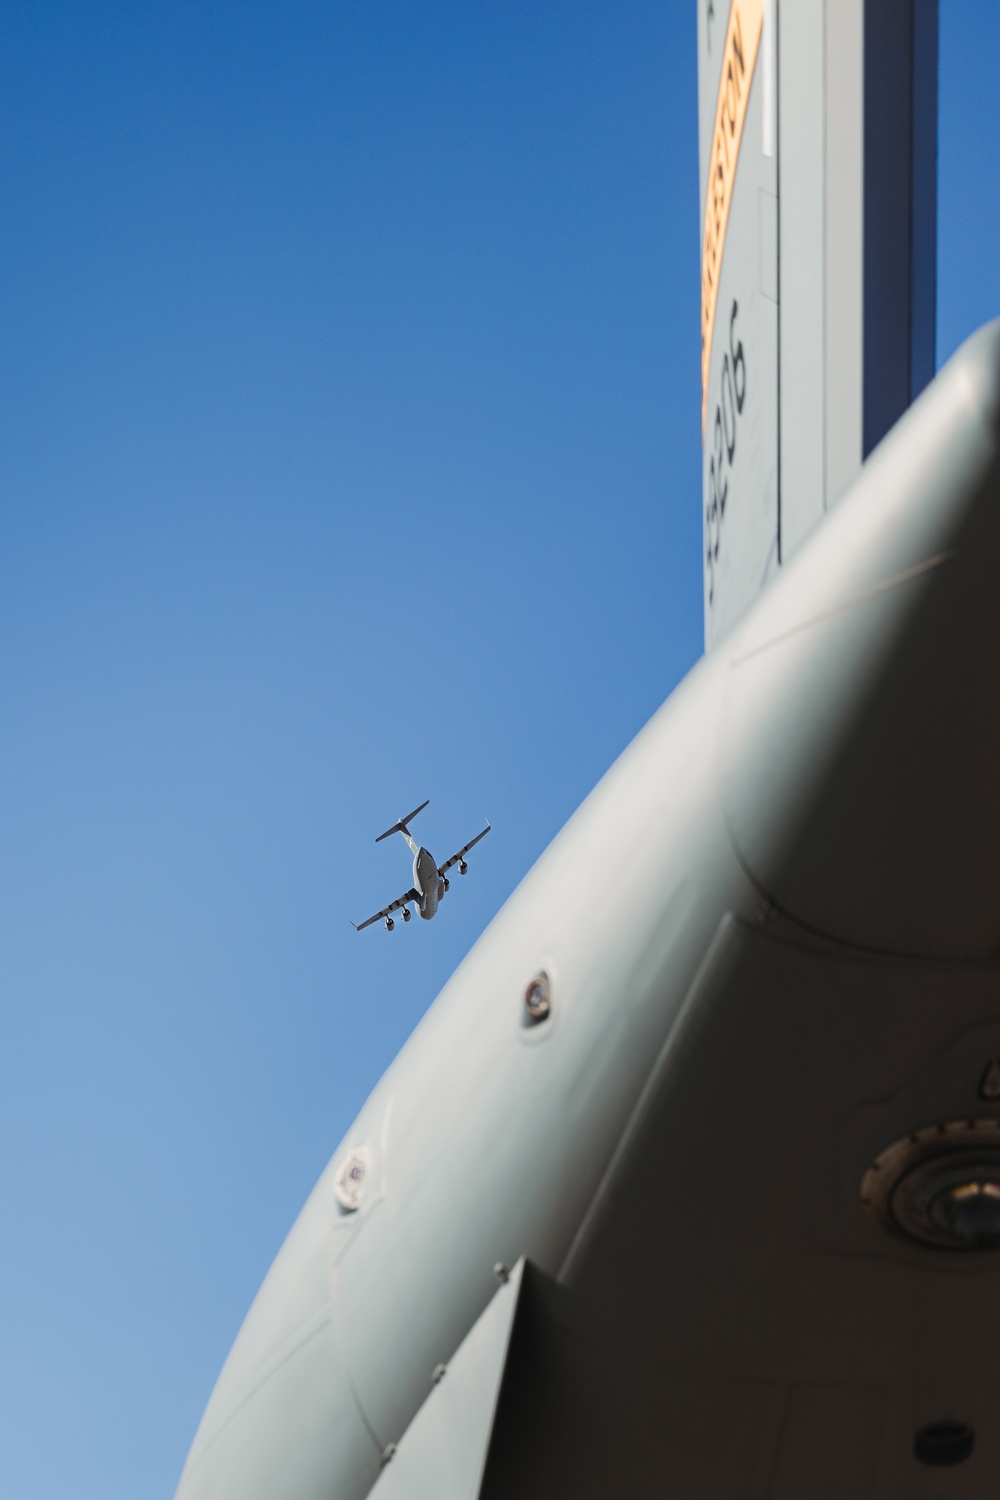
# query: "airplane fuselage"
796, 965
427, 881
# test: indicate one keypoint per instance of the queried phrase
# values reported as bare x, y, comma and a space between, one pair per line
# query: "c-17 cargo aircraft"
430, 881
691, 1191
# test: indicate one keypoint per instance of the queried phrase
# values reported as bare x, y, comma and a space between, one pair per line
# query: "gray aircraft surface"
693, 1191
430, 880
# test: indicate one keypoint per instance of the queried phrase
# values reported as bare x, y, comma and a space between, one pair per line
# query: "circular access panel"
939, 1186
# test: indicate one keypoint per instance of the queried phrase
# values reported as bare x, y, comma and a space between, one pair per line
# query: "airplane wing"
411, 895
463, 851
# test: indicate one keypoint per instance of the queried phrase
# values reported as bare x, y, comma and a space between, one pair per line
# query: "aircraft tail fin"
401, 827
818, 151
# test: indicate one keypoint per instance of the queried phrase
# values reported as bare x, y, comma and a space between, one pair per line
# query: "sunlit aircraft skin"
634, 1246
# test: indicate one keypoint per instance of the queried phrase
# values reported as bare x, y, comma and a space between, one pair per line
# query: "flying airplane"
430, 880
687, 1182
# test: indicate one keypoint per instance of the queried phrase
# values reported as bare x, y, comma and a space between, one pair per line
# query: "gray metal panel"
816, 1417
740, 1295
282, 1414
900, 207
442, 1454
874, 724
854, 267
801, 154
843, 245
740, 450
923, 271
888, 106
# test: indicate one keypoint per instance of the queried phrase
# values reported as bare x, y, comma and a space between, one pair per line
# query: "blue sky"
350, 456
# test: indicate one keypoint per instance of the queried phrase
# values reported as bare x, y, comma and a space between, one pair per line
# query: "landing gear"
389, 924
463, 868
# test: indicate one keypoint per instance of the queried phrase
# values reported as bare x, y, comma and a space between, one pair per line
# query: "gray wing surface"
411, 895
463, 851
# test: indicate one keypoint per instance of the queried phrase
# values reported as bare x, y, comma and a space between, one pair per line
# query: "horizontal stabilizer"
400, 827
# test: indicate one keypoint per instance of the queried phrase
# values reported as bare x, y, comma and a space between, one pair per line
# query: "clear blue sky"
350, 456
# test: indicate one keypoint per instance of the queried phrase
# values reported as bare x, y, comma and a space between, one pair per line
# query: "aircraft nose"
282, 1421
862, 732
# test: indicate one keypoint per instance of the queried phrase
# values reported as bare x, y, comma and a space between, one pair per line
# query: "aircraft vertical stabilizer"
818, 148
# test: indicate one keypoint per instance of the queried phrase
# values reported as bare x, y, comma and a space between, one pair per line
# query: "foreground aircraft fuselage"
655, 1241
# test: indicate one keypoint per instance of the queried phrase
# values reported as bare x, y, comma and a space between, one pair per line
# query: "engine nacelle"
406, 913
463, 868
389, 924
